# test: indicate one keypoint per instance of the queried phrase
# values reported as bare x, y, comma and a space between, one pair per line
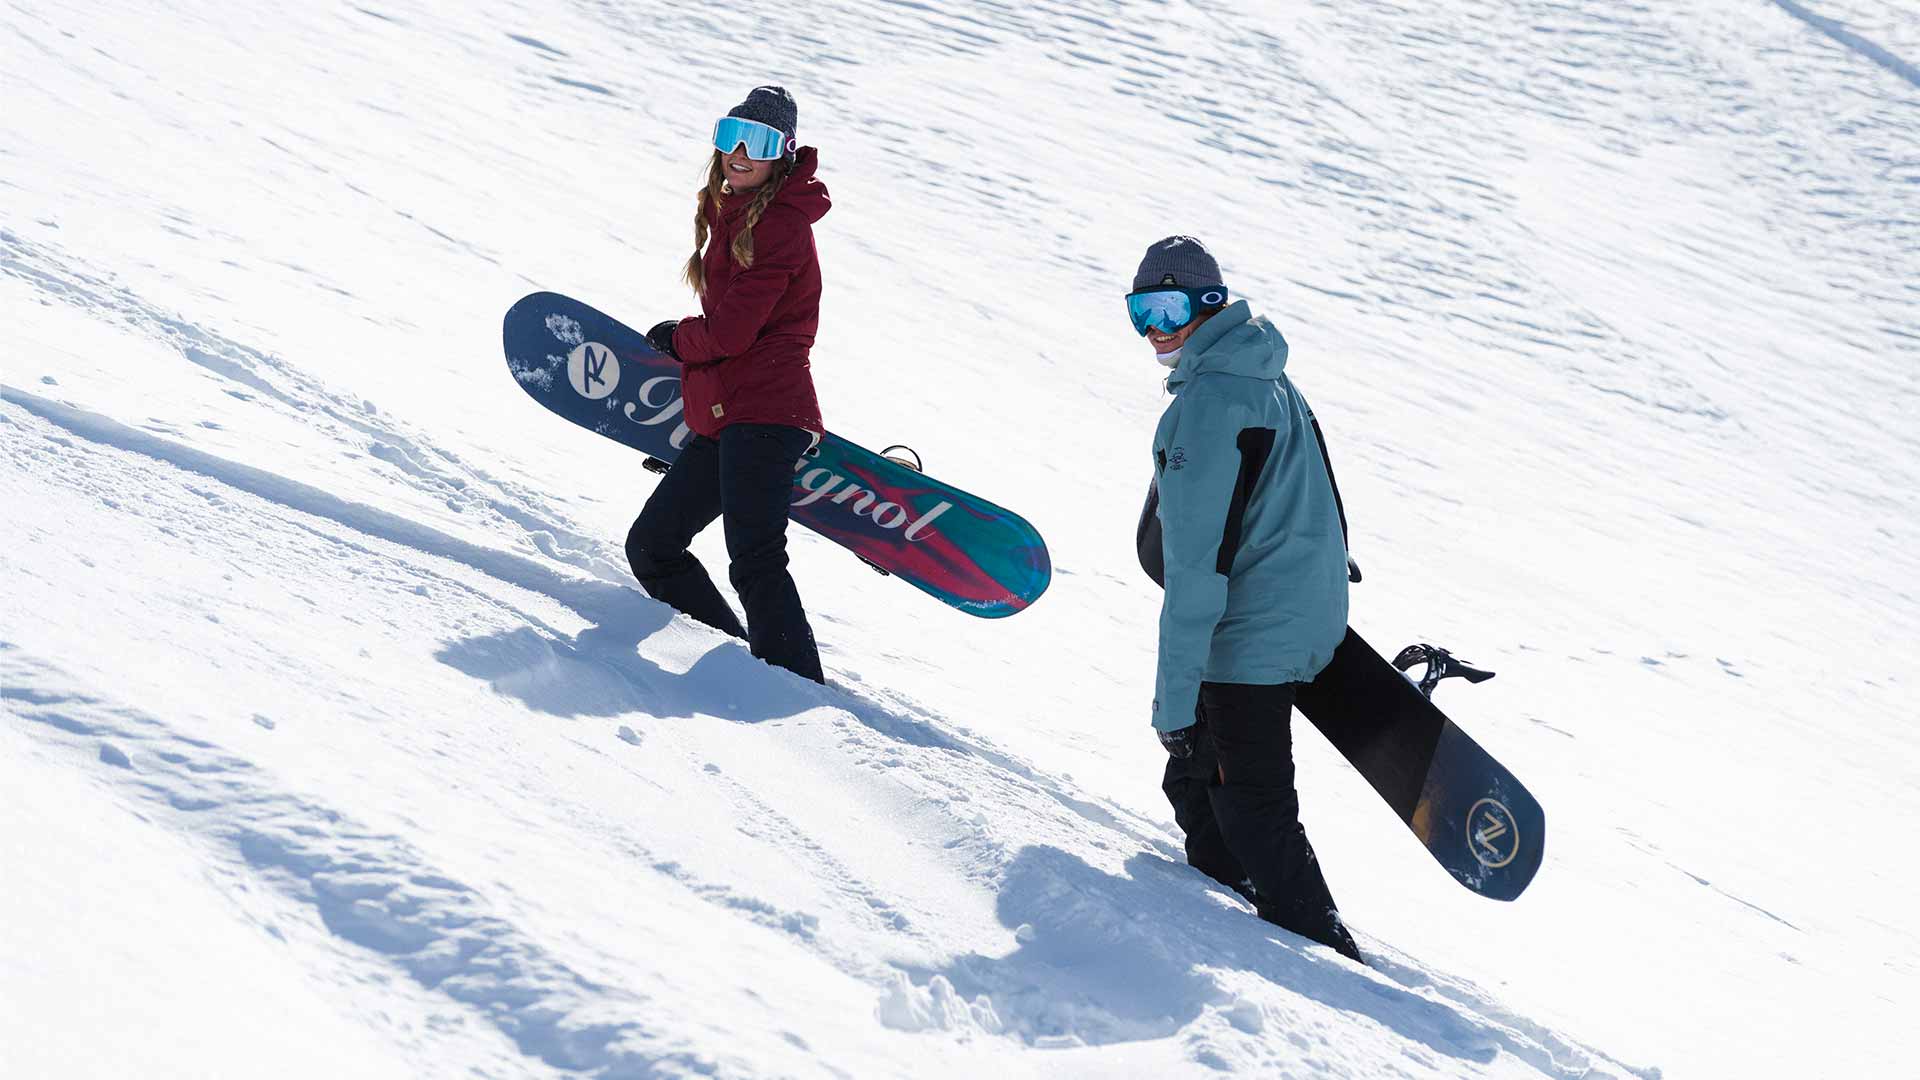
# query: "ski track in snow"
373, 891
368, 888
1839, 32
440, 474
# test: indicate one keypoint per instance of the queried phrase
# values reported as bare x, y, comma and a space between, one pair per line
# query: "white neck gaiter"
1168, 359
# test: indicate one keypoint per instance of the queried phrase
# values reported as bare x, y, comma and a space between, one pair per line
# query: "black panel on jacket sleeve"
1256, 445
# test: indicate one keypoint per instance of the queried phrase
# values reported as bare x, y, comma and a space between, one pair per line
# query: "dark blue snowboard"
601, 374
1481, 824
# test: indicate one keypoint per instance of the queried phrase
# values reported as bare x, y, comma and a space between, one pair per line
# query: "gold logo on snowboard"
1492, 835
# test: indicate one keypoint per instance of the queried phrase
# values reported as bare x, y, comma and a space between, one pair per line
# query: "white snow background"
338, 741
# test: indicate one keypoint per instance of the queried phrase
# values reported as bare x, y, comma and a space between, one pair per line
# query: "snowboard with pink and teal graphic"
602, 375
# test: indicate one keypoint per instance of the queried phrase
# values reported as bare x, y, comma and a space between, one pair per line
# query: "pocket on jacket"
720, 388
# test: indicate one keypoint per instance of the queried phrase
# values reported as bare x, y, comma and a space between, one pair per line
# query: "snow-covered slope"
337, 740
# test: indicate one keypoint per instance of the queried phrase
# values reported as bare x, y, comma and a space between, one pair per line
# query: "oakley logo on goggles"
762, 143
1167, 308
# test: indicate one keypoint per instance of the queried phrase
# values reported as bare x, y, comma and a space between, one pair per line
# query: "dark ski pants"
745, 478
1235, 800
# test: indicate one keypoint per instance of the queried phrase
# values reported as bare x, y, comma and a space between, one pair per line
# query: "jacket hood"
1234, 342
802, 190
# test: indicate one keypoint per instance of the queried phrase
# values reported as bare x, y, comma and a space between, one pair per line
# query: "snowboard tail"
602, 375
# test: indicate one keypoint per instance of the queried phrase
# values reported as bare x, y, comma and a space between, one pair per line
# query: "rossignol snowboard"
602, 375
1472, 815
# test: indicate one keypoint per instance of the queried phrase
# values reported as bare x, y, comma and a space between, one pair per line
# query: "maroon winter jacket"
746, 354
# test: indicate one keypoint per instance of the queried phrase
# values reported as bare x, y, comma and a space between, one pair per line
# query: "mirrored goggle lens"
763, 143
1164, 311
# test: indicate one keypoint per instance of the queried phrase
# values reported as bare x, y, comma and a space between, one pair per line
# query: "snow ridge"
274, 383
369, 889
507, 567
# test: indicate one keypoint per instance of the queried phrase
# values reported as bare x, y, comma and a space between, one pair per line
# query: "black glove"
661, 338
1179, 744
1353, 570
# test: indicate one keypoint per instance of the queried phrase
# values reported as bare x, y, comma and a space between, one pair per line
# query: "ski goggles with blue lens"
763, 142
1167, 308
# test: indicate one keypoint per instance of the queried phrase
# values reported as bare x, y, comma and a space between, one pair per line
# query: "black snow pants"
1235, 800
744, 477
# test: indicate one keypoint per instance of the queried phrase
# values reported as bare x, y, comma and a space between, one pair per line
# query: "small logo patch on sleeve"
719, 411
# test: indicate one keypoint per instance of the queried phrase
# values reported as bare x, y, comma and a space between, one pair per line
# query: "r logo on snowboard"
593, 370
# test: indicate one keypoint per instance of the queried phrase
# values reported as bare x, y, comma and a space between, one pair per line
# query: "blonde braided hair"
709, 199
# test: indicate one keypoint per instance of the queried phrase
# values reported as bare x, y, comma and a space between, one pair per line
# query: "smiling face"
1164, 343
742, 172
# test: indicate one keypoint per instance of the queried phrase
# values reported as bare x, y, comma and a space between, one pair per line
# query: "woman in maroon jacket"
746, 384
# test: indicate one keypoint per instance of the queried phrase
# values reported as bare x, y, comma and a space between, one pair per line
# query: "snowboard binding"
908, 458
1441, 664
898, 454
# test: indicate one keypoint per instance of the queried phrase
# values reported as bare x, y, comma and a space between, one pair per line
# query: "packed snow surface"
338, 741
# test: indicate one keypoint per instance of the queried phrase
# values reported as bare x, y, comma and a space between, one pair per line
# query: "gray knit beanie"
1178, 260
774, 107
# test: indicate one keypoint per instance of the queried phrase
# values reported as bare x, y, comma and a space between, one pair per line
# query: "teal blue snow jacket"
1255, 558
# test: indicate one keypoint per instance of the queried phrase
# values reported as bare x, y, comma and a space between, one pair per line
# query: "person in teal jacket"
1252, 553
